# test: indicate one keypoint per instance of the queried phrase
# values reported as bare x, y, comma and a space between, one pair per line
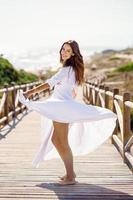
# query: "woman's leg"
60, 141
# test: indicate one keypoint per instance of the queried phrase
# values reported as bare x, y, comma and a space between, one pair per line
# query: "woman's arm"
49, 83
39, 88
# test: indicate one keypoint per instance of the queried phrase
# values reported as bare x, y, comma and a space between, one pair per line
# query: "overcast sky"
27, 24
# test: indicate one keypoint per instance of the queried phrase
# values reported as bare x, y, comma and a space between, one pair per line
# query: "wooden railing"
10, 106
122, 137
94, 94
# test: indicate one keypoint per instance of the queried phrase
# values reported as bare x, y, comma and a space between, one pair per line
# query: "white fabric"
89, 126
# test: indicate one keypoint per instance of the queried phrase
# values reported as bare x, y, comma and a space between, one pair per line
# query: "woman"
71, 127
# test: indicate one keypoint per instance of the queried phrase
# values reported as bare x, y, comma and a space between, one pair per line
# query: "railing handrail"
122, 137
10, 106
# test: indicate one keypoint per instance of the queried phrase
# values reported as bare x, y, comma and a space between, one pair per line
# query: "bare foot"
65, 176
67, 181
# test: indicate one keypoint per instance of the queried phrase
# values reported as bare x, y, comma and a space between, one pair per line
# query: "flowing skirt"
89, 126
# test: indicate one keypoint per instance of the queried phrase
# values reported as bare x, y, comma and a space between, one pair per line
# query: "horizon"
31, 26
43, 58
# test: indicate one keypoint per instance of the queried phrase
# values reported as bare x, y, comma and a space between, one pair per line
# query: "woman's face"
66, 52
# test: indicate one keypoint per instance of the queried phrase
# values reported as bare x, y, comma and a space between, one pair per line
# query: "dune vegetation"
9, 74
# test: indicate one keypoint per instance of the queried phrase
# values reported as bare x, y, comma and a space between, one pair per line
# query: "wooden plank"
100, 175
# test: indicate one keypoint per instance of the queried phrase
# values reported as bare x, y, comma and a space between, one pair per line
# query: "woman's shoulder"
68, 68
65, 68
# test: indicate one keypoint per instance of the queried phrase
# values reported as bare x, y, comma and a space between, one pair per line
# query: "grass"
114, 58
125, 68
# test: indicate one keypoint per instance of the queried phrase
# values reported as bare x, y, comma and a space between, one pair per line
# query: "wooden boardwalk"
100, 175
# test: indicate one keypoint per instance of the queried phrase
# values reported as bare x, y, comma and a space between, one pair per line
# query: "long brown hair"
76, 61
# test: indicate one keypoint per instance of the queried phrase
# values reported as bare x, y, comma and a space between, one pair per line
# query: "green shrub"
114, 58
125, 68
9, 74
26, 77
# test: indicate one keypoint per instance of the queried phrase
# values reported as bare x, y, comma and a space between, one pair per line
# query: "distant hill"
116, 66
108, 51
111, 58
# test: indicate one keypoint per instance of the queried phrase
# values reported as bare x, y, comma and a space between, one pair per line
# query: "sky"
34, 25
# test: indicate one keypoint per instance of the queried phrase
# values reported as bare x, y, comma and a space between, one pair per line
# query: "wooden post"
6, 108
21, 105
96, 94
13, 93
93, 96
115, 92
86, 92
99, 102
106, 97
90, 96
126, 122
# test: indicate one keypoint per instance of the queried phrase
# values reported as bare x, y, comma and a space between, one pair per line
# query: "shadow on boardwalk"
84, 191
11, 125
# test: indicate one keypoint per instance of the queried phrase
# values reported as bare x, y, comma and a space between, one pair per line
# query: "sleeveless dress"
89, 125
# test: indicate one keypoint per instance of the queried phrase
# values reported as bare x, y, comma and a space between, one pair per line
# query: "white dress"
89, 125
